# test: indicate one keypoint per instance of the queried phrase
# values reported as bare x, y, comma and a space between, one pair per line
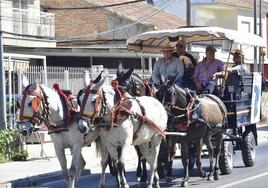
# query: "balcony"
30, 23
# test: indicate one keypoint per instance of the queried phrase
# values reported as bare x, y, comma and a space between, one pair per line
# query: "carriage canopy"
152, 41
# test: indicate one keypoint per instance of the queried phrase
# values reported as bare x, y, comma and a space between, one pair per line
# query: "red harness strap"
116, 116
66, 101
152, 125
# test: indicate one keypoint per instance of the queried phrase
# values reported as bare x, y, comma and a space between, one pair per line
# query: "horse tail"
98, 146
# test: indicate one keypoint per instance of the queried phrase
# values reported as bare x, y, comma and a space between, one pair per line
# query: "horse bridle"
188, 109
99, 106
39, 99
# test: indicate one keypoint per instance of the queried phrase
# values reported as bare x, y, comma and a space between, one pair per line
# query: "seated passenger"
234, 74
168, 66
189, 64
207, 71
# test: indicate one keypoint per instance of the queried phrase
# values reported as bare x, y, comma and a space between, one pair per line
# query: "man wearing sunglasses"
189, 64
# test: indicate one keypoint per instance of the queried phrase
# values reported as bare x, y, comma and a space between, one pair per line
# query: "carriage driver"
168, 66
189, 64
207, 71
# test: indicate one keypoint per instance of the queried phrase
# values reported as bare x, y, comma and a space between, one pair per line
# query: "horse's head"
170, 94
132, 82
33, 108
93, 104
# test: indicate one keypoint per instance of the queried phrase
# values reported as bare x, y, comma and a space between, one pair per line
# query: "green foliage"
9, 145
19, 155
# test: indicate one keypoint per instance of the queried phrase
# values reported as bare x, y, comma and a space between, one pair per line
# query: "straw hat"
167, 47
238, 52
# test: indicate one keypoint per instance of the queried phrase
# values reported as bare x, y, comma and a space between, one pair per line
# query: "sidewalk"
36, 168
44, 169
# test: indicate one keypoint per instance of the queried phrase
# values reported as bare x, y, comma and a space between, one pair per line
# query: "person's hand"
198, 86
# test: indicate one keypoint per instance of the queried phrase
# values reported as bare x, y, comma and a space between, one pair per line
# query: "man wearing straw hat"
234, 74
168, 66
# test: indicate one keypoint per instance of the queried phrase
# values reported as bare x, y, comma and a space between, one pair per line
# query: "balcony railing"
27, 22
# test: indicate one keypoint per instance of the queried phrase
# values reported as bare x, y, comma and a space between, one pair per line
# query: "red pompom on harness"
66, 100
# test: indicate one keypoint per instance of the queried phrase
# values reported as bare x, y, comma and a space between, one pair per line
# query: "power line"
26, 35
91, 7
123, 27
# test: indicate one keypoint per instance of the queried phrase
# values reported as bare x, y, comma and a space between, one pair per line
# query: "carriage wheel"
248, 150
226, 161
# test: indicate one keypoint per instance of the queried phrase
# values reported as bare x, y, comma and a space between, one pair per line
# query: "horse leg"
208, 143
162, 159
171, 154
82, 166
104, 161
217, 151
63, 163
122, 152
185, 161
150, 151
199, 146
113, 171
144, 170
75, 168
141, 172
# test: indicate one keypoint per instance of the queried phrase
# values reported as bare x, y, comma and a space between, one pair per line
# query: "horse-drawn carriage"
121, 120
243, 108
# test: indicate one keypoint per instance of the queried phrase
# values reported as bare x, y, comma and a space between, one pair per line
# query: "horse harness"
119, 112
192, 104
39, 117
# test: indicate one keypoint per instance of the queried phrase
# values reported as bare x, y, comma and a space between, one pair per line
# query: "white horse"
130, 121
40, 104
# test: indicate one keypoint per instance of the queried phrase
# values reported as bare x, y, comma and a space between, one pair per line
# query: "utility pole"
2, 81
260, 34
188, 18
188, 12
255, 32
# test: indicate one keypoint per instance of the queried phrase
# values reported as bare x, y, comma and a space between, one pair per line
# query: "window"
245, 26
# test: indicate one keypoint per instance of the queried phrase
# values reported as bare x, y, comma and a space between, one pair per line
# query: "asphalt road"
241, 176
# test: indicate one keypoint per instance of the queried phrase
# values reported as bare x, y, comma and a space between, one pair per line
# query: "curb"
38, 180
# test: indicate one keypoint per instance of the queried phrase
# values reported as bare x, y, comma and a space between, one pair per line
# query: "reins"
190, 108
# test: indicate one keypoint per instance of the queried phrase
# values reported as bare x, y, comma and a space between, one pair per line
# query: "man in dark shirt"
189, 64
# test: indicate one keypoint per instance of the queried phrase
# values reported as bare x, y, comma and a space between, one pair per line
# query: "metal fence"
71, 78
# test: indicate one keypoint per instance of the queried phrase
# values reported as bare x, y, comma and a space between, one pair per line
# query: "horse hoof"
168, 179
216, 177
184, 183
124, 185
210, 178
203, 174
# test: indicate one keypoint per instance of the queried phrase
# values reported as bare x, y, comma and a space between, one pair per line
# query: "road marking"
244, 180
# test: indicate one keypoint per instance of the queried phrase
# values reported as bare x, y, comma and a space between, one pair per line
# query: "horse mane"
181, 96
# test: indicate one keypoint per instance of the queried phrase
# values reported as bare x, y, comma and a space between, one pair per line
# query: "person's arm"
220, 70
179, 71
156, 73
195, 78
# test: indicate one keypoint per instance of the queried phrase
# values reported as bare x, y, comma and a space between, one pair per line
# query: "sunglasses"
180, 45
